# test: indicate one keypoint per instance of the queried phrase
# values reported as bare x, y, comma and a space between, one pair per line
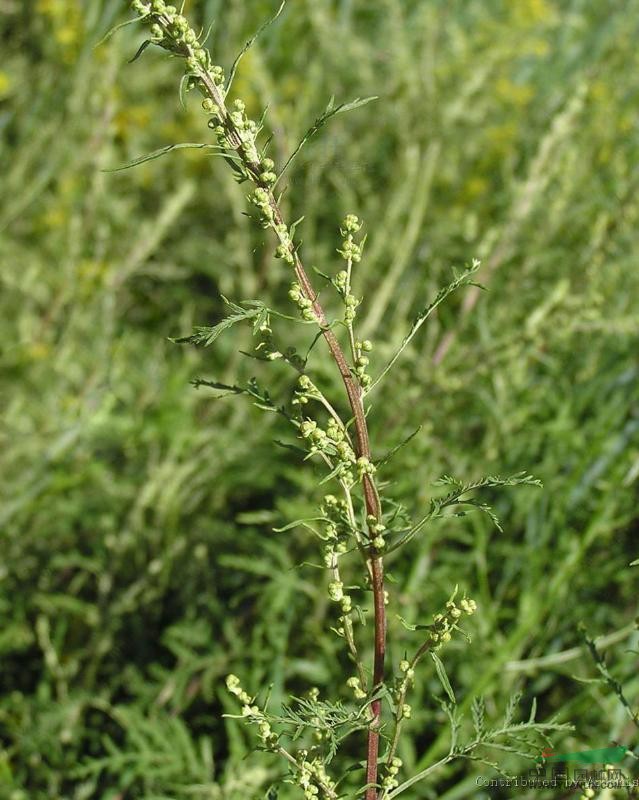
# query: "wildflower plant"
354, 517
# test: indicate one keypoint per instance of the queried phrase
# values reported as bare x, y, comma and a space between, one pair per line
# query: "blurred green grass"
137, 514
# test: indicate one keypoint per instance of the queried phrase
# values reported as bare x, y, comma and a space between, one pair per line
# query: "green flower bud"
140, 7
336, 591
351, 224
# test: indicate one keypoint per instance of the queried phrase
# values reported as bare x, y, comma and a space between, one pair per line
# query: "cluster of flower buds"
252, 712
405, 679
376, 528
341, 283
305, 391
333, 443
266, 347
350, 250
262, 200
302, 302
336, 531
171, 30
443, 624
392, 768
354, 684
313, 779
365, 467
361, 362
337, 595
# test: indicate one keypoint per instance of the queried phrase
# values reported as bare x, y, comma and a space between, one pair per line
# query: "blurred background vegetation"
138, 563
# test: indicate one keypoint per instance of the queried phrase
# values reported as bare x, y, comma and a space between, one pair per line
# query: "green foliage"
136, 516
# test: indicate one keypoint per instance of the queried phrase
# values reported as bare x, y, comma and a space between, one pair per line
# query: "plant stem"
399, 716
362, 443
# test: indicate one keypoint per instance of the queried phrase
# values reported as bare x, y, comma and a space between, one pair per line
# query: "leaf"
184, 87
398, 447
478, 710
443, 677
115, 29
250, 43
163, 151
197, 382
461, 280
457, 497
329, 112
410, 627
140, 50
287, 446
300, 523
205, 335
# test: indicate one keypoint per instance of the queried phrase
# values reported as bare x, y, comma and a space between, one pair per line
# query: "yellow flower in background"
55, 217
531, 12
5, 85
132, 118
66, 21
502, 136
516, 94
474, 187
537, 47
38, 350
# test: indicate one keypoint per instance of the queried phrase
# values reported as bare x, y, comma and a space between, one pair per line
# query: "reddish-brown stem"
362, 444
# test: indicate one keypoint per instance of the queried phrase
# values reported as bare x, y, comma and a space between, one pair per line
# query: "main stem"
362, 445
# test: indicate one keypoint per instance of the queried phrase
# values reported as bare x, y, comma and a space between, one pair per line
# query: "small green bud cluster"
305, 391
333, 443
341, 283
252, 713
405, 667
266, 346
140, 7
313, 778
390, 781
445, 623
350, 225
362, 361
336, 591
350, 303
365, 467
295, 293
171, 30
354, 684
284, 250
376, 527
262, 200
350, 250
336, 531
247, 130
